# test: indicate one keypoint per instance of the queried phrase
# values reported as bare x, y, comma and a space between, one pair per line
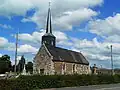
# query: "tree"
5, 64
29, 67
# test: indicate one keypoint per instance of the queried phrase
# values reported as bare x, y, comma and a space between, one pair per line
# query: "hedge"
56, 81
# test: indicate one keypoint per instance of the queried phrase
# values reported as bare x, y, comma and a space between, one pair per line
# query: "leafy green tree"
29, 67
5, 64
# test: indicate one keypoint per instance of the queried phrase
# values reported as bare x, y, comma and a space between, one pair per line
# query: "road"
94, 87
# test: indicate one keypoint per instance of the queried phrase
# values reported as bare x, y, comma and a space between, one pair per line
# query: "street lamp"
112, 69
112, 61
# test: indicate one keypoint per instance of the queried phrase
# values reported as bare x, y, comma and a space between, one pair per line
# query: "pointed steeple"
49, 24
48, 38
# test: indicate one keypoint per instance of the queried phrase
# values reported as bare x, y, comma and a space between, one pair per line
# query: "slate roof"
64, 55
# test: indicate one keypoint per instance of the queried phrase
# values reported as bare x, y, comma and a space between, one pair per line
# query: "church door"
42, 71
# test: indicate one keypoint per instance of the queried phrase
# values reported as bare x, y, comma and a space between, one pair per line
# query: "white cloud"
64, 16
95, 50
65, 20
27, 49
4, 44
65, 43
5, 26
107, 27
26, 37
60, 36
14, 7
36, 37
20, 7
97, 57
113, 38
73, 18
83, 43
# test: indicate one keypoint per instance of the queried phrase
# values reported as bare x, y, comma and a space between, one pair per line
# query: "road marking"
112, 88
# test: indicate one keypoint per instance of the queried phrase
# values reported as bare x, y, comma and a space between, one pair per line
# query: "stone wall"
58, 67
70, 68
43, 63
82, 69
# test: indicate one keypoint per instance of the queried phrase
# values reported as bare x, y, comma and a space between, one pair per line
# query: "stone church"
52, 60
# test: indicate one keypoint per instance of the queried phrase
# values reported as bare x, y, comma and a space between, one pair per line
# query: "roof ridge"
67, 49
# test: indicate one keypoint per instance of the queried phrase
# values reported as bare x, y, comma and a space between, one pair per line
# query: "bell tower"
48, 38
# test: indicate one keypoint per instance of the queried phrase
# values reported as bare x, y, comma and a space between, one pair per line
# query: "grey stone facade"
71, 68
43, 63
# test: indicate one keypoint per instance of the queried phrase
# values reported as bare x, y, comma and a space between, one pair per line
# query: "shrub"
56, 81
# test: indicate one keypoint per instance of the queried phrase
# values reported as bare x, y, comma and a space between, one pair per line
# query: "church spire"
48, 38
49, 24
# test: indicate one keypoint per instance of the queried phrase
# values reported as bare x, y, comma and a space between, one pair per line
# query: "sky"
86, 26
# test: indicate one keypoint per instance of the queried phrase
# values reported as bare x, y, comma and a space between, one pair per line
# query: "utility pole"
16, 44
112, 71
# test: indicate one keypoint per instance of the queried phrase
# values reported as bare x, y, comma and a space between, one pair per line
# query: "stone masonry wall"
43, 61
68, 68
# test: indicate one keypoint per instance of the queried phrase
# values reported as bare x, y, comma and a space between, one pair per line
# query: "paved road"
94, 87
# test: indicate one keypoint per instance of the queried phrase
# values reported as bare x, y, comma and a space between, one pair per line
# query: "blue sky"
88, 26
